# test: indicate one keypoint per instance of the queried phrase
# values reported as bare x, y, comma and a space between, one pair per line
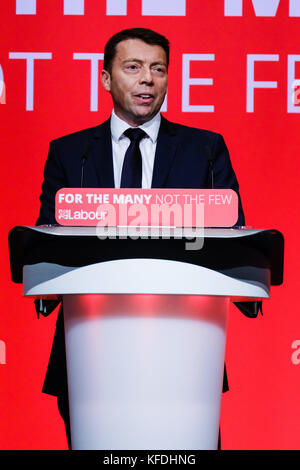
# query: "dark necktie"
132, 167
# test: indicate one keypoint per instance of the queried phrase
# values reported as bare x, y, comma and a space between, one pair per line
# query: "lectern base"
145, 371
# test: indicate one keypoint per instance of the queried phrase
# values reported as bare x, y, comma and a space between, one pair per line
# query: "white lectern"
145, 323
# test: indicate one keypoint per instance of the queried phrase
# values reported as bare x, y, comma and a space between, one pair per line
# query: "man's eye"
159, 69
132, 67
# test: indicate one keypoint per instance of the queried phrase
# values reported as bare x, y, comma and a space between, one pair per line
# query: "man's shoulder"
189, 131
81, 135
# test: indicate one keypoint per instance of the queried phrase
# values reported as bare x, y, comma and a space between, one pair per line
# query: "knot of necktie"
135, 134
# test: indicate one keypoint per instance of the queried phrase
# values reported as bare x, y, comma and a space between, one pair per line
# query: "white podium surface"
145, 373
146, 334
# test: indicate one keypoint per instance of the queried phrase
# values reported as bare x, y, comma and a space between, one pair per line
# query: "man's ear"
105, 79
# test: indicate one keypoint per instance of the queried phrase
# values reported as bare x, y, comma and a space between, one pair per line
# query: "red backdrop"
46, 96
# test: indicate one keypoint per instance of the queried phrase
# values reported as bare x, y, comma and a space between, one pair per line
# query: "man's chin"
138, 116
144, 115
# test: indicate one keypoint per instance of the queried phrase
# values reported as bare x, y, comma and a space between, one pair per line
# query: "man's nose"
146, 76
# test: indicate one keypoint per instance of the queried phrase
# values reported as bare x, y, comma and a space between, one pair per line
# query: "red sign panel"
146, 207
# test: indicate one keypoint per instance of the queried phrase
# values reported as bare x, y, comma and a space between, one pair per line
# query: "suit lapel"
101, 153
165, 152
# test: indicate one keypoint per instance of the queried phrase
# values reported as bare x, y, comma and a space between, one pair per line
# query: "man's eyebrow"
132, 60
159, 62
139, 61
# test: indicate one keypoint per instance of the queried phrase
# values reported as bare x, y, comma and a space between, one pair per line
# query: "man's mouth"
145, 98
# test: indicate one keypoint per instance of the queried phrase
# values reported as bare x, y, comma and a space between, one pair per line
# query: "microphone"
210, 160
83, 160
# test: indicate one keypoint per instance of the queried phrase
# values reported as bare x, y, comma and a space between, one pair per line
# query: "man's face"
138, 81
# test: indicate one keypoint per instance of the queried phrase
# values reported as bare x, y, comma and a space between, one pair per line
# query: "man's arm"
224, 175
54, 179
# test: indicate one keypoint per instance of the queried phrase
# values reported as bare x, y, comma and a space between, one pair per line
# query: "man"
166, 154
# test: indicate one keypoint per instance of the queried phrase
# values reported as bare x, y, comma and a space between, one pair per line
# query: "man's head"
136, 73
146, 35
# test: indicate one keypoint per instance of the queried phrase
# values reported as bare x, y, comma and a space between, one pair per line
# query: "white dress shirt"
120, 144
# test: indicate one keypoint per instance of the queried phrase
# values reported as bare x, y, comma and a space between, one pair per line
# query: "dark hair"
146, 35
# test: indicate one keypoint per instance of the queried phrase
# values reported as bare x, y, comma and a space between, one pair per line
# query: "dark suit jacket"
180, 162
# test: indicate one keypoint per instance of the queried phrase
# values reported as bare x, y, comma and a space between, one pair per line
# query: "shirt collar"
118, 126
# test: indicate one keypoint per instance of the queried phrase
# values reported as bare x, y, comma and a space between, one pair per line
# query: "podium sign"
146, 207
